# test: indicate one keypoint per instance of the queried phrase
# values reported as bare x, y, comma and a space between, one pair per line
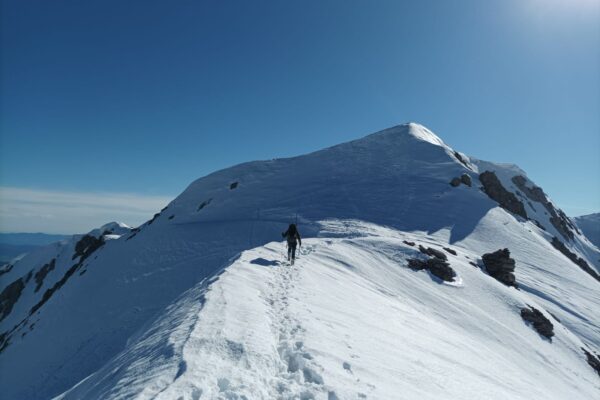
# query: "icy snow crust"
198, 304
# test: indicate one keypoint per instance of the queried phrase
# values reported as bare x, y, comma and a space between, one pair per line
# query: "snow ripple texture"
347, 321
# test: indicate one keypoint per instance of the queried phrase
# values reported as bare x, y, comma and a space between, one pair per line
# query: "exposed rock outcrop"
204, 204
465, 179
593, 360
558, 219
460, 158
3, 341
9, 297
437, 264
49, 292
6, 268
540, 323
433, 252
41, 274
455, 182
438, 267
134, 232
501, 266
507, 200
86, 246
560, 246
83, 248
449, 250
153, 218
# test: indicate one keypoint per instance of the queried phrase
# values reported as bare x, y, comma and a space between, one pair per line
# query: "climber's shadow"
265, 263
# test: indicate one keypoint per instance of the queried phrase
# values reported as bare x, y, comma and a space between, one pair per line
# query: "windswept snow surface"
196, 303
347, 321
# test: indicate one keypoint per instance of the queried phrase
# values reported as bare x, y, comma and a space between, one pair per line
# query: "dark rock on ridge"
540, 323
134, 232
84, 248
153, 218
41, 274
593, 360
204, 204
500, 266
466, 179
6, 268
461, 159
9, 297
449, 250
560, 246
558, 219
438, 267
433, 253
507, 200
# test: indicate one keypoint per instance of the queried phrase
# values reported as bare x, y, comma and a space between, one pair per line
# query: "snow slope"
196, 302
16, 245
590, 225
348, 320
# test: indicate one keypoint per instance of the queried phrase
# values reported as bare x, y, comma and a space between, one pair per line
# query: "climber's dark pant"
292, 250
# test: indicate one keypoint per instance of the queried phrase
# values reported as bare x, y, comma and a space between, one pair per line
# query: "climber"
292, 235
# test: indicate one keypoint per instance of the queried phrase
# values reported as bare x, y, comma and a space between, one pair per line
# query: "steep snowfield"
196, 303
41, 279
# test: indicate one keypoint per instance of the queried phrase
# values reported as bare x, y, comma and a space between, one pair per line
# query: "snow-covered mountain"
30, 239
590, 226
16, 245
399, 291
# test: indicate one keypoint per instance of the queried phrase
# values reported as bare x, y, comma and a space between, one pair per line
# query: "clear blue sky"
142, 97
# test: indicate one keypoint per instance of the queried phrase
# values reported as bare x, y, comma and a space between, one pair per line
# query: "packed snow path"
347, 321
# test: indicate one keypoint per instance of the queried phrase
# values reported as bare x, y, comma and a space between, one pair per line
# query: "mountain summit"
413, 129
424, 273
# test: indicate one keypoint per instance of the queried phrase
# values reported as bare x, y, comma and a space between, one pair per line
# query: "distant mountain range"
13, 245
590, 226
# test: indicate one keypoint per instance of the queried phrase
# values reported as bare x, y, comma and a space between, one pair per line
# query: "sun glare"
561, 5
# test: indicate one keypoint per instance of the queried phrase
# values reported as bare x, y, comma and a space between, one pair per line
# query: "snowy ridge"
346, 321
413, 129
196, 302
44, 267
